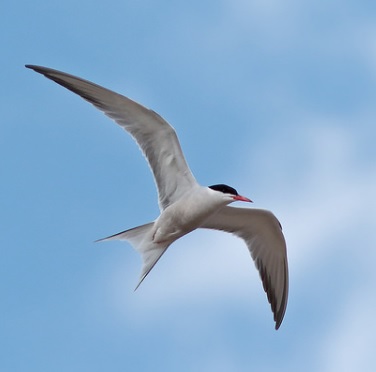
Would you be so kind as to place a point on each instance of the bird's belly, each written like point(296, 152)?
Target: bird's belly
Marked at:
point(174, 222)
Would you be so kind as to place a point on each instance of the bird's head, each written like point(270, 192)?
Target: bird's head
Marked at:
point(229, 193)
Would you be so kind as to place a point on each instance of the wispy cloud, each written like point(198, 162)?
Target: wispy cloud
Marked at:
point(349, 343)
point(327, 207)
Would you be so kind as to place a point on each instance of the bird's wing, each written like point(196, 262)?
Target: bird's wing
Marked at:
point(156, 138)
point(263, 235)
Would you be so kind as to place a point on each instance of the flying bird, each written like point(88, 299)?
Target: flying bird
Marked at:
point(184, 204)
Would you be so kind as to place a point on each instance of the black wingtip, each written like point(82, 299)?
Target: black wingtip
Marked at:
point(43, 70)
point(40, 69)
point(277, 324)
point(32, 67)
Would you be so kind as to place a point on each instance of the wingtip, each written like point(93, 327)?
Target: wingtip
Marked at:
point(278, 324)
point(41, 69)
point(32, 67)
point(139, 283)
point(279, 316)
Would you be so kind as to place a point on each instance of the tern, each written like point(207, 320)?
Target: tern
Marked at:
point(184, 204)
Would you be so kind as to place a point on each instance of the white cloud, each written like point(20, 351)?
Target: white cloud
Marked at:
point(330, 218)
point(349, 345)
point(331, 201)
point(310, 173)
point(204, 268)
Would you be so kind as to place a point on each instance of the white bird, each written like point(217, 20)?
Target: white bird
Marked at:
point(184, 204)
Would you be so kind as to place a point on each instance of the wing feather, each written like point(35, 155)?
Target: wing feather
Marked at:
point(263, 235)
point(156, 138)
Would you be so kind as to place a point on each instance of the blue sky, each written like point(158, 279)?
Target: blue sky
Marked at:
point(276, 99)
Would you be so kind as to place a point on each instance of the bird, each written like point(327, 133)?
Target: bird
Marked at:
point(184, 204)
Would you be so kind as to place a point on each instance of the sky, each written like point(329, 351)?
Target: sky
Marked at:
point(276, 99)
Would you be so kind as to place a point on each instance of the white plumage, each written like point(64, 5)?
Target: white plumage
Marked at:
point(184, 204)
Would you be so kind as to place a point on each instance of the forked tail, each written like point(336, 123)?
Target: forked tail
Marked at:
point(141, 240)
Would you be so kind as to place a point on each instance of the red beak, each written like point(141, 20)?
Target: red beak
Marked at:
point(242, 198)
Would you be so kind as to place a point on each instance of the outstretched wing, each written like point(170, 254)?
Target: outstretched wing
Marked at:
point(263, 235)
point(156, 138)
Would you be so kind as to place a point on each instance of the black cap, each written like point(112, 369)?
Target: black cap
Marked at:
point(224, 188)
